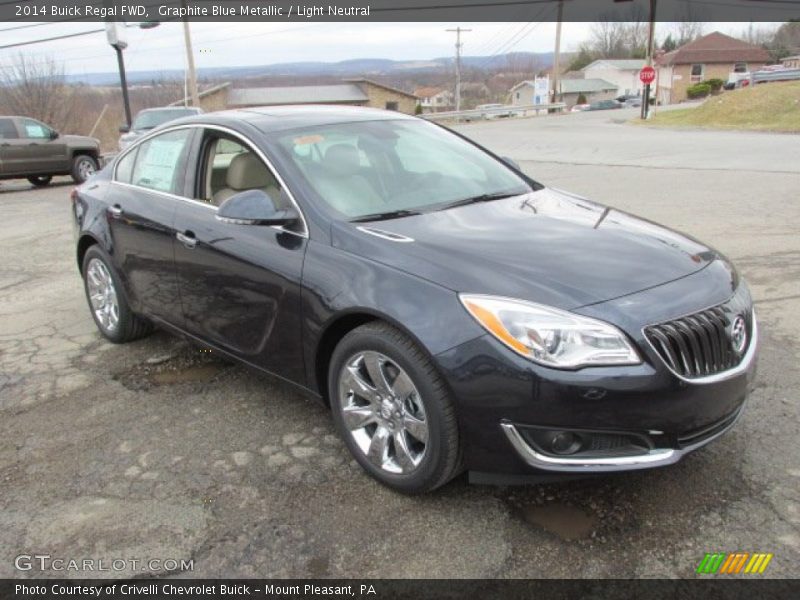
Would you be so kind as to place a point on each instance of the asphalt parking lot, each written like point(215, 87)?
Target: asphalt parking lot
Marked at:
point(158, 449)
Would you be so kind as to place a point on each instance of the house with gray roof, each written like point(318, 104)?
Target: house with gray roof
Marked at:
point(623, 73)
point(352, 92)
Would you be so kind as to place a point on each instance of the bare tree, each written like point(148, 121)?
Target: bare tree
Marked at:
point(36, 88)
point(688, 31)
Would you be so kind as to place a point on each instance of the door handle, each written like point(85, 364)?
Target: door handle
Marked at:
point(187, 239)
point(115, 211)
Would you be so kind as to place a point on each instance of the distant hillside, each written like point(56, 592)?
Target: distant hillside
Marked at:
point(359, 66)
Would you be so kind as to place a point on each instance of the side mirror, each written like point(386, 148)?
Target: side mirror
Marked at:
point(54, 134)
point(124, 128)
point(511, 162)
point(254, 207)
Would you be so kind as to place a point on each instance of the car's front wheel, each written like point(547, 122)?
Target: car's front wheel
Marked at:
point(83, 167)
point(109, 307)
point(393, 409)
point(40, 180)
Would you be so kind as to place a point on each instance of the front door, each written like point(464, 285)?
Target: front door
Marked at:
point(148, 184)
point(239, 284)
point(44, 154)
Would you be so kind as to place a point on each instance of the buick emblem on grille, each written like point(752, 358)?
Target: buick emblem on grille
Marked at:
point(738, 334)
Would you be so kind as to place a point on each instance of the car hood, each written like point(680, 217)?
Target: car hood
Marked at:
point(546, 246)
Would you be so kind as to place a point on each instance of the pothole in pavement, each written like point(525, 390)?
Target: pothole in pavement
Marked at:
point(567, 522)
point(184, 365)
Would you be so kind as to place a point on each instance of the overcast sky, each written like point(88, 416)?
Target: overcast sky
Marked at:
point(238, 44)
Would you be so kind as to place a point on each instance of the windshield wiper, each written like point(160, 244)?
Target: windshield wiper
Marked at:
point(385, 216)
point(480, 198)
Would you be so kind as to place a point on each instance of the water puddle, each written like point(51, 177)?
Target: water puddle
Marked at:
point(566, 522)
point(188, 365)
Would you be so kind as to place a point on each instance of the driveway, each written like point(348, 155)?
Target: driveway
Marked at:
point(160, 450)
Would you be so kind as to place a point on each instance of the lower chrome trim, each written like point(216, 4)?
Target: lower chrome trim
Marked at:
point(654, 458)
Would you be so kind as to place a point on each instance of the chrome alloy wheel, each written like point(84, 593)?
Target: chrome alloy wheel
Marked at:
point(383, 412)
point(102, 294)
point(86, 169)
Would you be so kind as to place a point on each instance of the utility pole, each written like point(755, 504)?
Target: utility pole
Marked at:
point(557, 53)
point(650, 43)
point(187, 37)
point(458, 31)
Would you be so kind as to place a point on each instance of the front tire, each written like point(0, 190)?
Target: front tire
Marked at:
point(107, 302)
point(40, 180)
point(393, 409)
point(83, 167)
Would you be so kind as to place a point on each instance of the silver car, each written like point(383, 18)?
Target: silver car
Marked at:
point(150, 118)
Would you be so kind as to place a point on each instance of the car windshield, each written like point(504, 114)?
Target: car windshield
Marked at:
point(154, 118)
point(395, 166)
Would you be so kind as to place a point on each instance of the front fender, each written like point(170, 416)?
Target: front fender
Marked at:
point(337, 283)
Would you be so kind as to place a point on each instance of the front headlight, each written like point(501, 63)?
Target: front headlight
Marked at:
point(552, 337)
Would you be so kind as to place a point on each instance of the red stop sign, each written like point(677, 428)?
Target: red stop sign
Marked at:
point(647, 75)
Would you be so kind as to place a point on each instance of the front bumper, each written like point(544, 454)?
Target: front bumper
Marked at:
point(501, 396)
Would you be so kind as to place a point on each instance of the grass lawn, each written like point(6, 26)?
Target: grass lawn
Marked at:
point(766, 107)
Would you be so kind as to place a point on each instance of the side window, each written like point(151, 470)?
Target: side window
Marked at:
point(35, 130)
point(158, 162)
point(125, 167)
point(232, 167)
point(392, 106)
point(7, 130)
point(740, 67)
point(697, 73)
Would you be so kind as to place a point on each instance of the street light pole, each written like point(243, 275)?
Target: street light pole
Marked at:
point(115, 32)
point(124, 84)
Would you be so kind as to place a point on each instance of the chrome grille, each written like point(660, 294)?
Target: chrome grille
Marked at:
point(698, 345)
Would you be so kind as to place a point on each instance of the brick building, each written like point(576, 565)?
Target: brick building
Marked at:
point(713, 56)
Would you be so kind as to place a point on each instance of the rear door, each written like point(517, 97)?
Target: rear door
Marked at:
point(148, 183)
point(240, 284)
point(12, 148)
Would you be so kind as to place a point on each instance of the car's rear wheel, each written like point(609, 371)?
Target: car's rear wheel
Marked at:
point(40, 180)
point(108, 305)
point(393, 409)
point(83, 167)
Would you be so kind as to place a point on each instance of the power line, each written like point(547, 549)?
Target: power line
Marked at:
point(50, 39)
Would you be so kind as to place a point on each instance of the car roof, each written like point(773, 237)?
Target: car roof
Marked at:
point(282, 118)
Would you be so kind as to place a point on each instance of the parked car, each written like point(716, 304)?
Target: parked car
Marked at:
point(634, 102)
point(150, 118)
point(30, 149)
point(579, 108)
point(604, 105)
point(452, 312)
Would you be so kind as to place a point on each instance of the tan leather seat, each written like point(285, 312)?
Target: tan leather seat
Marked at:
point(247, 172)
point(342, 185)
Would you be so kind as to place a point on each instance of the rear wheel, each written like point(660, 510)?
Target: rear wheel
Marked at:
point(83, 167)
point(107, 302)
point(393, 410)
point(40, 180)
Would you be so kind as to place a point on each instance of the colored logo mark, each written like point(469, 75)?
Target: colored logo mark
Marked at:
point(725, 563)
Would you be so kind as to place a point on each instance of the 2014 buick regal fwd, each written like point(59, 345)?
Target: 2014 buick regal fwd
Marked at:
point(455, 314)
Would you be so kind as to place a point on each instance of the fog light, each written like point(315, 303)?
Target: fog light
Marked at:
point(565, 442)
